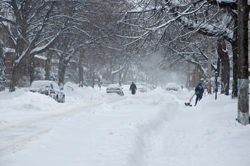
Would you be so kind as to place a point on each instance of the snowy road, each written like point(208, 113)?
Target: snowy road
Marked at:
point(148, 129)
point(14, 137)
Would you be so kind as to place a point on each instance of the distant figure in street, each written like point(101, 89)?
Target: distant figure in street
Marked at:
point(133, 88)
point(199, 92)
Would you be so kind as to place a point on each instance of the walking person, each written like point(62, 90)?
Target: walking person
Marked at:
point(133, 88)
point(199, 92)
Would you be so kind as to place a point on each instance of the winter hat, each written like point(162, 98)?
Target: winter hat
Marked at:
point(199, 83)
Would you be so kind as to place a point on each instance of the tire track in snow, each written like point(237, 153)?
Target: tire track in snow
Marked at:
point(15, 137)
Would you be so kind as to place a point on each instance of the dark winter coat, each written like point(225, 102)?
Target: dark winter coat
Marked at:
point(199, 90)
point(133, 88)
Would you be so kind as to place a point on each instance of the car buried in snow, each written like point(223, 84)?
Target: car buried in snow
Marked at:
point(48, 88)
point(172, 87)
point(115, 88)
point(141, 88)
point(151, 86)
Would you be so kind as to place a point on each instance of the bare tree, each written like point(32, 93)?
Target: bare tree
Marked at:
point(195, 16)
point(26, 31)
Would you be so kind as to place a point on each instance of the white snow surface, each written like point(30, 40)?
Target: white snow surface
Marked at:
point(93, 128)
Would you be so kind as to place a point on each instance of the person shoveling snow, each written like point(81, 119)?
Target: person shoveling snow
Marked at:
point(198, 92)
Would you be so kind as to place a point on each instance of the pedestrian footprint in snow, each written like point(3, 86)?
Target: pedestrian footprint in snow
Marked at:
point(199, 92)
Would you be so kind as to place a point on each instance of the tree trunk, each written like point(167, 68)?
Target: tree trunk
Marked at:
point(48, 65)
point(93, 79)
point(235, 55)
point(120, 77)
point(2, 61)
point(243, 98)
point(99, 82)
point(61, 72)
point(225, 73)
point(32, 69)
point(111, 75)
point(235, 70)
point(80, 69)
point(225, 76)
point(124, 78)
point(209, 67)
point(15, 77)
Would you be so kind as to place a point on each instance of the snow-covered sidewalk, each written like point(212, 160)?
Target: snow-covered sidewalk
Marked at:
point(97, 129)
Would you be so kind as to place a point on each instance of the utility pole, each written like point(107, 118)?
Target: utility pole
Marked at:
point(243, 98)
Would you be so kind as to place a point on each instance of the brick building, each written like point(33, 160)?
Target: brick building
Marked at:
point(39, 62)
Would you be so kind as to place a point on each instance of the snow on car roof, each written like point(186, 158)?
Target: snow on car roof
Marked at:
point(43, 83)
point(172, 85)
point(113, 85)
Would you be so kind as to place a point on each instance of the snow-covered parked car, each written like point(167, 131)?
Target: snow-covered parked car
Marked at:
point(115, 88)
point(172, 87)
point(141, 88)
point(151, 86)
point(49, 88)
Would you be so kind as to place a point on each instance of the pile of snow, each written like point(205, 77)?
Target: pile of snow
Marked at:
point(24, 105)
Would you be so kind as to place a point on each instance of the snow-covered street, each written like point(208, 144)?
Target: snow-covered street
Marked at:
point(110, 83)
point(97, 129)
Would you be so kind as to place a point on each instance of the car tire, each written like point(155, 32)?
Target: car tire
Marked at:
point(57, 99)
point(63, 100)
point(121, 93)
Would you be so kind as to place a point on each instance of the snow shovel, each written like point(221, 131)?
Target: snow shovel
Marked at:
point(189, 103)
